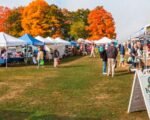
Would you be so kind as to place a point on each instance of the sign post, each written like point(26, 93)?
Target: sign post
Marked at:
point(140, 94)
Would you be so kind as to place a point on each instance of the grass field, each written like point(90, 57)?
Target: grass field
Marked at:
point(74, 91)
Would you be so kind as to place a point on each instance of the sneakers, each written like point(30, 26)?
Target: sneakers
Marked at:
point(104, 73)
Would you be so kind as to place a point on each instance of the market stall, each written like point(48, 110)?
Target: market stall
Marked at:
point(7, 41)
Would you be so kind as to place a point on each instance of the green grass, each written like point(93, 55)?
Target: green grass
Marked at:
point(75, 91)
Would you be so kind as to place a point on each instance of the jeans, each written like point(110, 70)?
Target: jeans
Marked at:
point(104, 66)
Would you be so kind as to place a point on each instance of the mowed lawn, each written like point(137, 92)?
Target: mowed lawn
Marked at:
point(75, 91)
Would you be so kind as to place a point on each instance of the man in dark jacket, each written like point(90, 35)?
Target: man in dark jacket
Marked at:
point(111, 55)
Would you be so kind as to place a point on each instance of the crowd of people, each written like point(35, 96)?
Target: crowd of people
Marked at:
point(130, 53)
point(131, 56)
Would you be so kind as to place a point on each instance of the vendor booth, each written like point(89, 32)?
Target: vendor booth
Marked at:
point(6, 42)
point(31, 40)
point(31, 49)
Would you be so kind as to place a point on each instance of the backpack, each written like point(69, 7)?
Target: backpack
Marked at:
point(101, 49)
point(112, 52)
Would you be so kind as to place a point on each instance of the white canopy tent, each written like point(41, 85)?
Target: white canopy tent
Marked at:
point(104, 40)
point(10, 41)
point(61, 41)
point(57, 43)
point(51, 40)
point(44, 40)
point(88, 42)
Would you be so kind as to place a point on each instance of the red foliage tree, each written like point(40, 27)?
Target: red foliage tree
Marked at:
point(4, 13)
point(101, 24)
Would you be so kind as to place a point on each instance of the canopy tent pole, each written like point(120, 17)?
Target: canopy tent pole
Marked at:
point(38, 60)
point(26, 54)
point(38, 64)
point(6, 57)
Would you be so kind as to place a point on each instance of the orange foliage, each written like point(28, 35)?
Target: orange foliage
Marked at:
point(4, 13)
point(34, 20)
point(101, 24)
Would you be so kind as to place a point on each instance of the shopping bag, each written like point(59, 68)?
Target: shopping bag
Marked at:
point(41, 62)
point(58, 61)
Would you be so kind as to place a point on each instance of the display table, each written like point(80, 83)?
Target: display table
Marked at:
point(11, 60)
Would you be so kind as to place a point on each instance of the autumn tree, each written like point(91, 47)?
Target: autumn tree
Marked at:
point(34, 18)
point(81, 15)
point(55, 21)
point(79, 23)
point(101, 24)
point(66, 22)
point(4, 13)
point(71, 19)
point(14, 22)
point(77, 30)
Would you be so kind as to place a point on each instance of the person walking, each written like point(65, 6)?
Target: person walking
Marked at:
point(103, 55)
point(92, 50)
point(134, 54)
point(40, 57)
point(111, 55)
point(122, 54)
point(56, 58)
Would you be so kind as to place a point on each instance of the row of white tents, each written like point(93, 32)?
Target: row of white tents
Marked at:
point(10, 41)
point(103, 40)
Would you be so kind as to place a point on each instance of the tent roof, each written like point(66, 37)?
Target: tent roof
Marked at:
point(104, 40)
point(88, 41)
point(73, 43)
point(50, 39)
point(10, 41)
point(31, 40)
point(44, 40)
point(61, 41)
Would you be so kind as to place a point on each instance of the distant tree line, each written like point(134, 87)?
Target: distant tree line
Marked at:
point(40, 18)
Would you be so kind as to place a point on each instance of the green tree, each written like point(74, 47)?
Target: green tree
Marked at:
point(77, 30)
point(71, 19)
point(55, 22)
point(14, 22)
point(81, 14)
point(66, 22)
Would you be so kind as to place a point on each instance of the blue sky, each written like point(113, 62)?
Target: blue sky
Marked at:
point(129, 15)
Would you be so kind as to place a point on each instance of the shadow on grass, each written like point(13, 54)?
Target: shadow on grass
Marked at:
point(122, 73)
point(70, 59)
point(16, 115)
point(13, 115)
point(73, 66)
point(65, 60)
